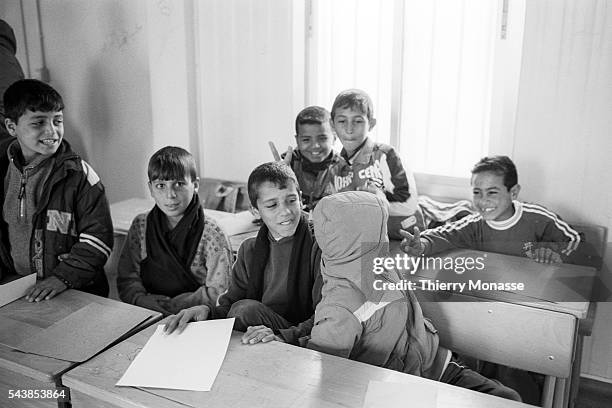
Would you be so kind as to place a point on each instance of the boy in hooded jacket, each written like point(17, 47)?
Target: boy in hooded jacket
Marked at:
point(385, 328)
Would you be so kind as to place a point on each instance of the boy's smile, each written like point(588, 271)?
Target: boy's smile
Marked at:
point(173, 197)
point(38, 133)
point(491, 197)
point(280, 209)
point(352, 127)
point(315, 141)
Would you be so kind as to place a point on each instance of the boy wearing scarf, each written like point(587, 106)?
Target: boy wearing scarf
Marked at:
point(174, 258)
point(275, 283)
point(381, 327)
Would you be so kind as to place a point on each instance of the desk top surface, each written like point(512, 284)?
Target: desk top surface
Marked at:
point(25, 318)
point(263, 375)
point(558, 287)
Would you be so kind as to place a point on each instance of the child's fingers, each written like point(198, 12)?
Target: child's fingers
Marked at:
point(288, 155)
point(274, 151)
point(417, 233)
point(406, 234)
point(172, 323)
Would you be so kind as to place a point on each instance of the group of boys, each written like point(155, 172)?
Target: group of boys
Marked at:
point(296, 281)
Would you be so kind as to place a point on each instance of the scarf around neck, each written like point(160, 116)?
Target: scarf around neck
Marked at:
point(166, 269)
point(299, 280)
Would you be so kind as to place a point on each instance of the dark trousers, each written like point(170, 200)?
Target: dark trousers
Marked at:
point(458, 374)
point(249, 312)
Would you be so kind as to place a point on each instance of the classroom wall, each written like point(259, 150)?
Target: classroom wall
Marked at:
point(252, 83)
point(562, 135)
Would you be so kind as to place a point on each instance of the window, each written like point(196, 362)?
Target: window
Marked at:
point(443, 74)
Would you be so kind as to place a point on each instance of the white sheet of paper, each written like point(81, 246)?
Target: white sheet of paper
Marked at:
point(16, 289)
point(187, 361)
point(382, 394)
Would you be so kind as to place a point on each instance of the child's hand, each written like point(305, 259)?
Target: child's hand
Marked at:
point(288, 156)
point(177, 303)
point(45, 289)
point(179, 321)
point(277, 157)
point(412, 244)
point(256, 334)
point(545, 255)
point(151, 301)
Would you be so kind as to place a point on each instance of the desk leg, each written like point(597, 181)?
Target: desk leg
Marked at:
point(574, 384)
point(548, 392)
point(559, 400)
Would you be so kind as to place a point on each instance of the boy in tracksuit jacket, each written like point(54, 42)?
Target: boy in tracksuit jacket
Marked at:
point(56, 219)
point(371, 166)
point(357, 319)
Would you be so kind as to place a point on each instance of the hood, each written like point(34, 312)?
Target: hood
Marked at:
point(351, 230)
point(7, 36)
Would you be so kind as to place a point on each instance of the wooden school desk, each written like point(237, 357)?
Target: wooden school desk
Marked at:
point(237, 226)
point(535, 329)
point(264, 375)
point(25, 371)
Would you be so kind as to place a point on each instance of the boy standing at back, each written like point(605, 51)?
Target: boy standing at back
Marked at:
point(369, 165)
point(276, 283)
point(314, 159)
point(503, 224)
point(56, 220)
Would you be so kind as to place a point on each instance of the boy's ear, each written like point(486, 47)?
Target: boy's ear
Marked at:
point(196, 184)
point(372, 124)
point(150, 188)
point(10, 126)
point(254, 211)
point(514, 191)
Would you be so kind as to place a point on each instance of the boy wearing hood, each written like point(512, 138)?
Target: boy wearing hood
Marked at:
point(385, 328)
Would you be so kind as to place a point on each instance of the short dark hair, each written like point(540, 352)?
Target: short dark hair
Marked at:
point(312, 115)
point(354, 99)
point(277, 173)
point(172, 163)
point(33, 95)
point(500, 165)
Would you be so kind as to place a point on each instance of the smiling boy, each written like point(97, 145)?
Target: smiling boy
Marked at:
point(56, 220)
point(313, 160)
point(503, 224)
point(276, 283)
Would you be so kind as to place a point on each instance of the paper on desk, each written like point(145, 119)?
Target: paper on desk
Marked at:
point(16, 289)
point(187, 361)
point(84, 333)
point(382, 394)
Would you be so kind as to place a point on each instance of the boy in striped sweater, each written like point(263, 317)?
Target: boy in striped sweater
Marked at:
point(503, 224)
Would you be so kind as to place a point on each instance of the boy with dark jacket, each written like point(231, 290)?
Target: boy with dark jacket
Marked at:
point(56, 220)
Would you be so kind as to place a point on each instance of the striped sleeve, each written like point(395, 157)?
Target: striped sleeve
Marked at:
point(556, 230)
point(458, 234)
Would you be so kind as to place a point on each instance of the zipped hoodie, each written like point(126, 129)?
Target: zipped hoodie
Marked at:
point(354, 320)
point(72, 234)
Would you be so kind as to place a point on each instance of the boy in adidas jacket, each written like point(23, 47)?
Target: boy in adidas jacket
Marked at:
point(503, 224)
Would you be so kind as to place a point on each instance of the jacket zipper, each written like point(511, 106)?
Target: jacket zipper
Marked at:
point(21, 196)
